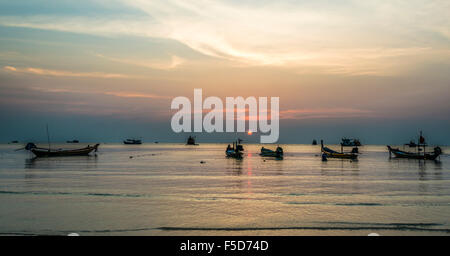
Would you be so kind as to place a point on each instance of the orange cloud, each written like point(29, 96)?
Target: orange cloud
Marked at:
point(136, 95)
point(323, 113)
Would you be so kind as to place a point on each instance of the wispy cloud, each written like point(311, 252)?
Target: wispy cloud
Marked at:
point(136, 95)
point(174, 62)
point(62, 73)
point(324, 113)
point(352, 37)
point(119, 94)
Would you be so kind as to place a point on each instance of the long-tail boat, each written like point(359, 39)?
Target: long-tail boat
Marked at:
point(191, 141)
point(47, 152)
point(278, 152)
point(329, 153)
point(420, 151)
point(350, 142)
point(132, 142)
point(235, 151)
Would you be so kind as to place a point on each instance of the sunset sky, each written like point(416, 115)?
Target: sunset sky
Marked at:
point(107, 70)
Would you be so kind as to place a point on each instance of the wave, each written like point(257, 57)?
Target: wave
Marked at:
point(349, 226)
point(70, 193)
point(375, 227)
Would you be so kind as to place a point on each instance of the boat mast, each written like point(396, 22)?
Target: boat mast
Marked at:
point(48, 139)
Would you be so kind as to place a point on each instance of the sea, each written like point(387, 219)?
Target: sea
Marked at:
point(175, 189)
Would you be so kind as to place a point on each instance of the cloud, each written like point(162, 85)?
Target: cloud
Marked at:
point(116, 94)
point(136, 95)
point(324, 113)
point(174, 62)
point(61, 73)
point(350, 38)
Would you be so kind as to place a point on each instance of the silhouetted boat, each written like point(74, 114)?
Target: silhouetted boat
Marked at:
point(418, 155)
point(350, 142)
point(132, 142)
point(278, 152)
point(239, 146)
point(72, 141)
point(191, 141)
point(329, 153)
point(14, 142)
point(47, 152)
point(314, 142)
point(234, 151)
point(420, 151)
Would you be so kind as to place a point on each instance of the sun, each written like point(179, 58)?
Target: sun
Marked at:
point(249, 132)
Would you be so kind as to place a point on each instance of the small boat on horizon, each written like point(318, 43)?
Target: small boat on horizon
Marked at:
point(329, 153)
point(72, 141)
point(278, 152)
point(420, 151)
point(235, 151)
point(314, 142)
point(350, 142)
point(132, 142)
point(191, 141)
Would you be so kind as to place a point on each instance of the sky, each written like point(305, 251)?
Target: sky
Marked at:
point(107, 70)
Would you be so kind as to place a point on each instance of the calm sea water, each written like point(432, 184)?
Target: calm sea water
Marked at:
point(165, 190)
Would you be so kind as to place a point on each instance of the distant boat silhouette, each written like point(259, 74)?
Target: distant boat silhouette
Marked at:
point(350, 142)
point(314, 142)
point(235, 151)
point(132, 142)
point(191, 141)
point(72, 141)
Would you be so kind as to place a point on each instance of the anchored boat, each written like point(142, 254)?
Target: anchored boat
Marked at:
point(420, 152)
point(235, 151)
point(132, 142)
point(329, 153)
point(278, 152)
point(191, 141)
point(47, 152)
point(350, 142)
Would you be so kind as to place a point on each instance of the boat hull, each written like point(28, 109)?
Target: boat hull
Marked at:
point(271, 153)
point(409, 155)
point(41, 152)
point(233, 154)
point(340, 155)
point(132, 142)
